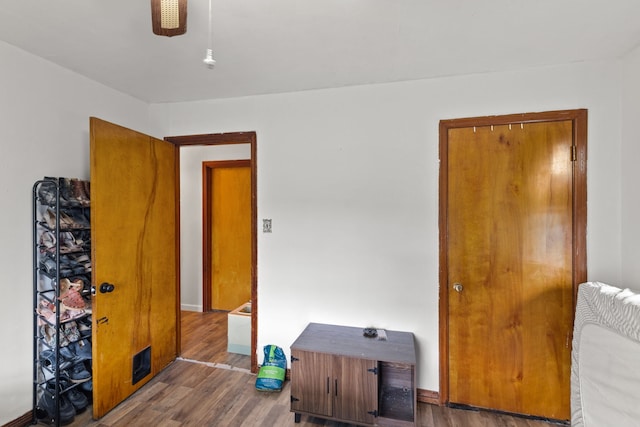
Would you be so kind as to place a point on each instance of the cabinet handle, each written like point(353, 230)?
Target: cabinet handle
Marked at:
point(336, 384)
point(327, 385)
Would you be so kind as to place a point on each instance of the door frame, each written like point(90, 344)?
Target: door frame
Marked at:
point(226, 139)
point(579, 205)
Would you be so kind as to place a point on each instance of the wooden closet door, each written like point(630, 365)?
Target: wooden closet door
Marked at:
point(510, 266)
point(134, 248)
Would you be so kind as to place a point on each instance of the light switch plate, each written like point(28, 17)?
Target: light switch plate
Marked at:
point(266, 225)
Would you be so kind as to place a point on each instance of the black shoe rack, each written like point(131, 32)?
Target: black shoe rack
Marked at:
point(62, 385)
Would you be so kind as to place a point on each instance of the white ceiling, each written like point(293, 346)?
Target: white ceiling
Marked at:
point(271, 46)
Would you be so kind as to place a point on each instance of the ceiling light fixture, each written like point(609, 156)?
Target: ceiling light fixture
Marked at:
point(208, 59)
point(169, 17)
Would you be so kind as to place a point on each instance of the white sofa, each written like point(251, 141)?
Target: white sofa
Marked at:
point(605, 359)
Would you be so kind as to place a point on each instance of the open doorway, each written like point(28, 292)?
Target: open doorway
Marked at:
point(203, 332)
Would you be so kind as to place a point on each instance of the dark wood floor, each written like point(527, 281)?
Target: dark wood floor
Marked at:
point(197, 394)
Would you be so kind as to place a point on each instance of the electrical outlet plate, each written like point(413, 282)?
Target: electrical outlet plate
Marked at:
point(266, 225)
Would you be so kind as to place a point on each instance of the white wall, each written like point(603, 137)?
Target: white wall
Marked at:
point(191, 158)
point(350, 178)
point(630, 171)
point(44, 130)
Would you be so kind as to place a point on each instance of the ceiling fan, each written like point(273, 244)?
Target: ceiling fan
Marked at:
point(169, 17)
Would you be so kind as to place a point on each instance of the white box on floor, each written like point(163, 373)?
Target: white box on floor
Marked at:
point(239, 330)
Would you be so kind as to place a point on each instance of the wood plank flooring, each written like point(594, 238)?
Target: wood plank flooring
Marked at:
point(196, 394)
point(204, 338)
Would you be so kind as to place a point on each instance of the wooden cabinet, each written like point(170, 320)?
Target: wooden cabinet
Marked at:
point(338, 374)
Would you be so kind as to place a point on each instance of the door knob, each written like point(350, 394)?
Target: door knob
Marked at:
point(457, 287)
point(106, 287)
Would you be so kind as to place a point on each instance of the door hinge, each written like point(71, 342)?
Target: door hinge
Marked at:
point(574, 154)
point(294, 359)
point(374, 370)
point(294, 399)
point(374, 413)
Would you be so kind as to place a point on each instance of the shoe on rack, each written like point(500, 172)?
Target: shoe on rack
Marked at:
point(49, 218)
point(77, 399)
point(48, 265)
point(48, 403)
point(83, 258)
point(47, 193)
point(77, 187)
point(47, 241)
point(66, 191)
point(78, 373)
point(81, 349)
point(87, 189)
point(81, 220)
point(47, 311)
point(84, 326)
point(87, 386)
point(70, 296)
point(67, 359)
point(67, 222)
point(68, 333)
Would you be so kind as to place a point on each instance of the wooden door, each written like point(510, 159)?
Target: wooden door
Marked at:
point(228, 194)
point(133, 233)
point(511, 264)
point(355, 383)
point(311, 377)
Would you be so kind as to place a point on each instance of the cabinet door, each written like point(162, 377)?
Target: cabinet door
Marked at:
point(355, 389)
point(311, 383)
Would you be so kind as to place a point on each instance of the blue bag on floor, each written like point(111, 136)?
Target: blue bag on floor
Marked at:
point(272, 372)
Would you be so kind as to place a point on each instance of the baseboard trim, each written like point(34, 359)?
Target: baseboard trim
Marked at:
point(23, 421)
point(428, 396)
point(191, 307)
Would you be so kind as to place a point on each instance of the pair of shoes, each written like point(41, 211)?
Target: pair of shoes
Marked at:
point(73, 220)
point(78, 373)
point(70, 298)
point(69, 243)
point(67, 359)
point(68, 333)
point(70, 294)
point(79, 351)
point(50, 400)
point(75, 192)
point(66, 220)
point(47, 311)
point(78, 399)
point(79, 263)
